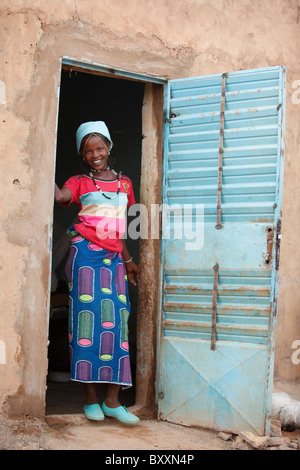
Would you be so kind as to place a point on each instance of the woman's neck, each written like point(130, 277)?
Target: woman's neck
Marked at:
point(106, 174)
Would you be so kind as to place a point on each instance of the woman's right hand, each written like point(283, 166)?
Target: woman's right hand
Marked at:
point(62, 195)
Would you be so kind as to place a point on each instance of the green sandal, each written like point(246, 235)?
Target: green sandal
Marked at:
point(94, 412)
point(120, 413)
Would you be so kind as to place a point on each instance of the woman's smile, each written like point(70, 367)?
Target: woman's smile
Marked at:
point(97, 162)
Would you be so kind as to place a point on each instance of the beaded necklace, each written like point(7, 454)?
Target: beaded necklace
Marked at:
point(100, 190)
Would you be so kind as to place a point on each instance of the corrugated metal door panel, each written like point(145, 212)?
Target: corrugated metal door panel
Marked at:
point(229, 387)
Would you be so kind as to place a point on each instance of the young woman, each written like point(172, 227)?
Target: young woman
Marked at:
point(97, 270)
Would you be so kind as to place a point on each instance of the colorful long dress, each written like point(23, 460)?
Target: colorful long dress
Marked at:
point(99, 305)
point(99, 309)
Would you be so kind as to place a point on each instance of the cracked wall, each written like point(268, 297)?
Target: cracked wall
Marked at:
point(170, 39)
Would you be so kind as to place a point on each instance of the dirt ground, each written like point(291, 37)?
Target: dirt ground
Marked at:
point(75, 432)
point(79, 434)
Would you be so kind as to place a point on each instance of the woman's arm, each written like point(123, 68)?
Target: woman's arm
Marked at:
point(62, 195)
point(133, 271)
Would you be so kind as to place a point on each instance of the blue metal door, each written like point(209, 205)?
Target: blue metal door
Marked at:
point(223, 151)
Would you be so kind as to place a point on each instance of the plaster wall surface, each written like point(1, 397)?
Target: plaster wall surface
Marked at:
point(170, 39)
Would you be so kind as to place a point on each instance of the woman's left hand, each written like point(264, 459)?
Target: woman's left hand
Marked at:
point(133, 272)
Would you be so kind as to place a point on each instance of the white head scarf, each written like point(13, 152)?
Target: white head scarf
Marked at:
point(98, 127)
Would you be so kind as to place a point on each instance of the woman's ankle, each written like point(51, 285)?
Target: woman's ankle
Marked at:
point(90, 402)
point(112, 396)
point(112, 403)
point(90, 394)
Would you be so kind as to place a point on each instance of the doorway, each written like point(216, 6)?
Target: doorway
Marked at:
point(86, 96)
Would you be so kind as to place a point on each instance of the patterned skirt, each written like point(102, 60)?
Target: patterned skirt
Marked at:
point(98, 314)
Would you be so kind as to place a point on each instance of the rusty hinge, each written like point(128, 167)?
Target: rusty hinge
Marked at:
point(278, 240)
point(221, 150)
point(214, 308)
point(172, 115)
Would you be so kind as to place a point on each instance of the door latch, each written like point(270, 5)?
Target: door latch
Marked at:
point(270, 240)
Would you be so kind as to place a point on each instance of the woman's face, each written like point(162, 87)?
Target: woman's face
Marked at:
point(95, 153)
